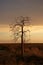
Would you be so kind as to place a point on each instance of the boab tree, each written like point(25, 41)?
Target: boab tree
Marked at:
point(18, 30)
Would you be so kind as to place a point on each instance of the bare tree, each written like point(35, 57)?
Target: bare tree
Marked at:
point(18, 30)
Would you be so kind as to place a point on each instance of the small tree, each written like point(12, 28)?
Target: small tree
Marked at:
point(19, 31)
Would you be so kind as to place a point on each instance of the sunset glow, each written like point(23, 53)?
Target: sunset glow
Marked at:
point(12, 9)
point(36, 34)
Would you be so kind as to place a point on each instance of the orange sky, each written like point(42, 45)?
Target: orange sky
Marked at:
point(36, 34)
point(10, 9)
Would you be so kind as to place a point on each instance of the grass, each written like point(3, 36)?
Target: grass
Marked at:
point(10, 54)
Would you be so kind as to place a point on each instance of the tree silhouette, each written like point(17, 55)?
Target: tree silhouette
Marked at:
point(19, 31)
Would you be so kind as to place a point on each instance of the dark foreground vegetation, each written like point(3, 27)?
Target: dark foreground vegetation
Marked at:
point(10, 54)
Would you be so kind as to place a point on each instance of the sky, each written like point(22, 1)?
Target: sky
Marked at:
point(10, 9)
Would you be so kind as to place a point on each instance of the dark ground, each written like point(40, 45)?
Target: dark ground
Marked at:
point(10, 54)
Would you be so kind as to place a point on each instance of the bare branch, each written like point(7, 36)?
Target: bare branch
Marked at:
point(19, 21)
